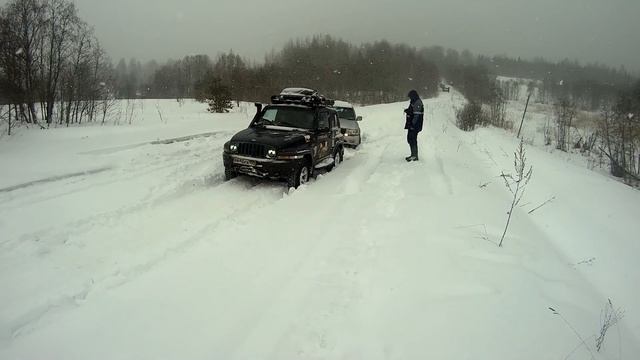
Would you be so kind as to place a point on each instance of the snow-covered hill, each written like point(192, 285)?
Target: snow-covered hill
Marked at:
point(115, 245)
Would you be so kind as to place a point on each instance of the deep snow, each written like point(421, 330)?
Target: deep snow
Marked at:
point(115, 245)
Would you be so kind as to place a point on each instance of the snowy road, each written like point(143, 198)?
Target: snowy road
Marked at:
point(155, 257)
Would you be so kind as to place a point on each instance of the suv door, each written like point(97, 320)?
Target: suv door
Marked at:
point(336, 134)
point(324, 134)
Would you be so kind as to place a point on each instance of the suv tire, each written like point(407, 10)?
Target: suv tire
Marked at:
point(300, 176)
point(338, 157)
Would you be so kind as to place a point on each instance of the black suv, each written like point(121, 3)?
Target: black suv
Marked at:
point(289, 139)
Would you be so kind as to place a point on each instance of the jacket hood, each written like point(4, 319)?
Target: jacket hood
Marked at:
point(413, 95)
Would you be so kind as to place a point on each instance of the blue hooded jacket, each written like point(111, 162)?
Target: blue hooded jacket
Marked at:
point(415, 112)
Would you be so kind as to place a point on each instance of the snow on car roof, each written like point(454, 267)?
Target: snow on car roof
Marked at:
point(298, 91)
point(343, 104)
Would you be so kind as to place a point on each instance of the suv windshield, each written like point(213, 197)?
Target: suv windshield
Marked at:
point(287, 117)
point(346, 113)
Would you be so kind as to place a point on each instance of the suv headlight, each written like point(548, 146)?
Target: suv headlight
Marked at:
point(233, 148)
point(271, 153)
point(353, 132)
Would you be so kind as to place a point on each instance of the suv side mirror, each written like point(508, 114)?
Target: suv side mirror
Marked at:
point(359, 118)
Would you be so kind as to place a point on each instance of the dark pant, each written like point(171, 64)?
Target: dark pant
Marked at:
point(412, 139)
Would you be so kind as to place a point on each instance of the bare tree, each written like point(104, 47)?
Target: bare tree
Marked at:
point(24, 28)
point(5, 118)
point(620, 135)
point(547, 132)
point(565, 112)
point(107, 103)
point(498, 106)
point(61, 22)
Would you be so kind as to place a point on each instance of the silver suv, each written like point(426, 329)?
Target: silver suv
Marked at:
point(349, 122)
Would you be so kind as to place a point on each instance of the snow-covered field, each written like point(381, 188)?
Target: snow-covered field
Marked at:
point(117, 244)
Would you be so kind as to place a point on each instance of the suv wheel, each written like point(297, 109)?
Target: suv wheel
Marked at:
point(338, 157)
point(299, 177)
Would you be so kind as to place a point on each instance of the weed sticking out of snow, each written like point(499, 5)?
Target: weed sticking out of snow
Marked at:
point(609, 318)
point(516, 183)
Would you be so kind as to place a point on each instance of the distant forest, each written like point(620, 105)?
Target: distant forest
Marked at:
point(370, 73)
point(54, 70)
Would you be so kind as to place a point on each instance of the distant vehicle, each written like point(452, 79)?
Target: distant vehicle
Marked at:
point(297, 134)
point(445, 88)
point(349, 123)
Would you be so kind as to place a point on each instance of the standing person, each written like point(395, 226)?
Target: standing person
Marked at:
point(415, 117)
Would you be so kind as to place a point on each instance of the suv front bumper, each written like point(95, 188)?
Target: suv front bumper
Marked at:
point(353, 140)
point(262, 168)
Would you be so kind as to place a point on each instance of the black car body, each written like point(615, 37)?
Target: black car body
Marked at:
point(289, 139)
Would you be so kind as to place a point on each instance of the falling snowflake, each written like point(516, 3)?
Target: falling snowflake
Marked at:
point(19, 51)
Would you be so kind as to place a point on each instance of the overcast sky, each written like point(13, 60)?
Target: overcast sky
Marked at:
point(605, 31)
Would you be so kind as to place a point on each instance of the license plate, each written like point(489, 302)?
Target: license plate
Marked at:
point(244, 162)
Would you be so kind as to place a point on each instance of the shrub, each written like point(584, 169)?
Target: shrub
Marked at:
point(471, 116)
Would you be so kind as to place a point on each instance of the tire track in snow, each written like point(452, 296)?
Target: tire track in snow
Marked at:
point(155, 195)
point(54, 178)
point(29, 321)
point(331, 280)
point(131, 173)
point(75, 233)
point(325, 285)
point(391, 187)
point(364, 165)
point(446, 180)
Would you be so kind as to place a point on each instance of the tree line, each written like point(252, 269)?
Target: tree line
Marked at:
point(369, 73)
point(589, 85)
point(381, 72)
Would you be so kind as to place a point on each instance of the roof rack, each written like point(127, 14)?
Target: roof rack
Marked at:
point(298, 91)
point(301, 96)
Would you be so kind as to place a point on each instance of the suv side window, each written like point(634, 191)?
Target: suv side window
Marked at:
point(323, 120)
point(270, 115)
